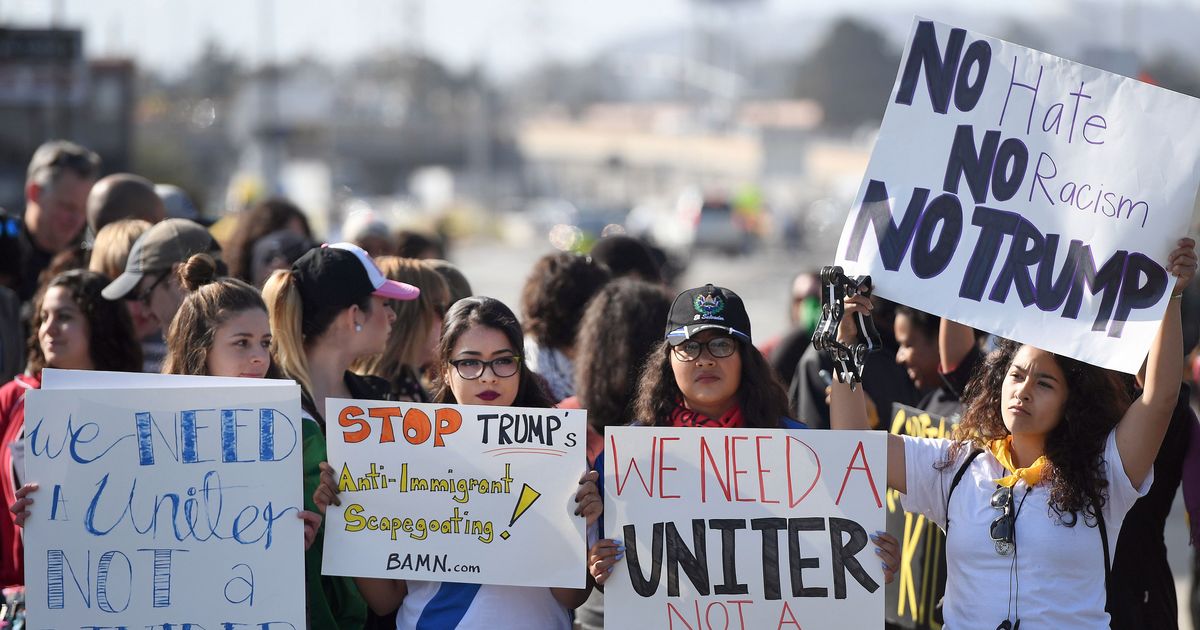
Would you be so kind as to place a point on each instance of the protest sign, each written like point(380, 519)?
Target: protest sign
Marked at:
point(164, 507)
point(921, 580)
point(744, 528)
point(1026, 195)
point(456, 493)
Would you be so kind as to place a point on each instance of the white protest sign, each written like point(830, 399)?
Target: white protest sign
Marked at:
point(744, 528)
point(1026, 195)
point(161, 508)
point(456, 493)
point(100, 379)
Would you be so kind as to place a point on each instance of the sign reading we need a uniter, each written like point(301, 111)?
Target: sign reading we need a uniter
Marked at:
point(744, 528)
point(1026, 195)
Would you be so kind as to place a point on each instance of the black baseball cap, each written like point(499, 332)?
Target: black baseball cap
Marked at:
point(341, 274)
point(708, 307)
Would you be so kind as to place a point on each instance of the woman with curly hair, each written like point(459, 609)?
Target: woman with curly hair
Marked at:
point(73, 328)
point(552, 302)
point(618, 331)
point(1048, 447)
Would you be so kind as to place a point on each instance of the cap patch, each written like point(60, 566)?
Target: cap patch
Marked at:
point(708, 306)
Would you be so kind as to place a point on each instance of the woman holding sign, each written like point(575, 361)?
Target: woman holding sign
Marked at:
point(1048, 447)
point(480, 363)
point(707, 373)
point(73, 328)
point(328, 310)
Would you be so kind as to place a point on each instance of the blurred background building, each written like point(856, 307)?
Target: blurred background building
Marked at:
point(514, 118)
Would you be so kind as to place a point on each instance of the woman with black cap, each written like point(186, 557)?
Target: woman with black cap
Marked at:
point(707, 373)
point(330, 308)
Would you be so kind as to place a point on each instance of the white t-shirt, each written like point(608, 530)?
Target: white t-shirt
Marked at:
point(449, 606)
point(1059, 577)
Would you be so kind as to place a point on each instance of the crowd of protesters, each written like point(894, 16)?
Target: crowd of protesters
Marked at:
point(115, 273)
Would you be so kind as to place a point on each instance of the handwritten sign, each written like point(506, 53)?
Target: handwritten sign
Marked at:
point(165, 508)
point(918, 587)
point(1026, 195)
point(456, 493)
point(741, 528)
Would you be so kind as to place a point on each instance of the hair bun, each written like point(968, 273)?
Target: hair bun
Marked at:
point(197, 271)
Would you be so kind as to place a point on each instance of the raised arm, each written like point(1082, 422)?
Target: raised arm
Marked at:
point(848, 409)
point(1141, 430)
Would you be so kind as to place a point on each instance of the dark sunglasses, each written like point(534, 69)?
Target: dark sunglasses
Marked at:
point(718, 347)
point(1004, 528)
point(143, 296)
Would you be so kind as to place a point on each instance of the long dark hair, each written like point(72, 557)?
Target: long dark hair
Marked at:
point(485, 311)
point(112, 345)
point(761, 396)
point(619, 329)
point(1096, 400)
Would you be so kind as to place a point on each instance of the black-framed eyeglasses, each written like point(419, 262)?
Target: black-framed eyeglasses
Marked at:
point(718, 347)
point(143, 296)
point(471, 369)
point(1004, 527)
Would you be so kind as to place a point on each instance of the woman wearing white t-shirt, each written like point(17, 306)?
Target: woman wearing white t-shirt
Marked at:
point(1049, 457)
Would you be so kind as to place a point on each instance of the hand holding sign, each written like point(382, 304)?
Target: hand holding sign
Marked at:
point(1182, 264)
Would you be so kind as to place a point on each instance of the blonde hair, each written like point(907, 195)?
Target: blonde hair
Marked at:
point(110, 251)
point(286, 314)
point(212, 300)
point(414, 318)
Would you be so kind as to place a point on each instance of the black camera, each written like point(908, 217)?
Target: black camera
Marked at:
point(849, 361)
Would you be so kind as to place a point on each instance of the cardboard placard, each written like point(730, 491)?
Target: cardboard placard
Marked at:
point(1026, 195)
point(456, 493)
point(744, 528)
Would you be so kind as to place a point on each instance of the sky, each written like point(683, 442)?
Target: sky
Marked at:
point(503, 36)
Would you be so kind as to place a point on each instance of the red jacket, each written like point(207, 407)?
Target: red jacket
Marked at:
point(12, 421)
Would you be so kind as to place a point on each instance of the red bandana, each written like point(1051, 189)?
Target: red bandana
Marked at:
point(684, 417)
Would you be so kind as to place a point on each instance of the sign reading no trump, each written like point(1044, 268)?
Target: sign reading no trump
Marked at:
point(1026, 195)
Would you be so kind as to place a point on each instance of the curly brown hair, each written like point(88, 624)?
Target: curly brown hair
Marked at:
point(619, 329)
point(555, 294)
point(761, 396)
point(111, 342)
point(1096, 400)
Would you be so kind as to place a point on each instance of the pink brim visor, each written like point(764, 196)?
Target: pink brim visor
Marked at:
point(393, 290)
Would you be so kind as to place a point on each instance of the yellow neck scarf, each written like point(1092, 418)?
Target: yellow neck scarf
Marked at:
point(1031, 475)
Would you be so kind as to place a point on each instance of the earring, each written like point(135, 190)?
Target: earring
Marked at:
point(358, 328)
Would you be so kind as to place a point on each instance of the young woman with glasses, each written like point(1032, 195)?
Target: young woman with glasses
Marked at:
point(708, 373)
point(1049, 456)
point(480, 363)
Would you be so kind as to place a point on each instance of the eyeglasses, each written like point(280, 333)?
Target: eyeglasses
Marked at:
point(143, 296)
point(718, 347)
point(471, 369)
point(1004, 528)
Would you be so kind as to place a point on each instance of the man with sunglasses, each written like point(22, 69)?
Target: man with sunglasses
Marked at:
point(151, 271)
point(57, 184)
